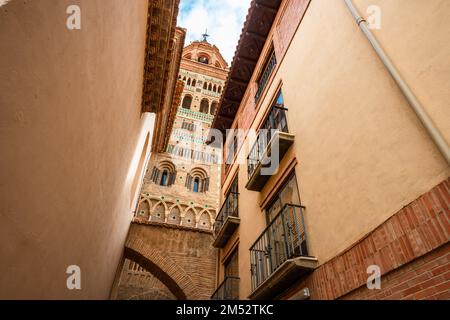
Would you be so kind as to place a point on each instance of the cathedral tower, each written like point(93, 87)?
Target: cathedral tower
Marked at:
point(182, 183)
point(180, 193)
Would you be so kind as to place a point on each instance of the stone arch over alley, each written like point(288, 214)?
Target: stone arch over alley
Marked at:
point(167, 262)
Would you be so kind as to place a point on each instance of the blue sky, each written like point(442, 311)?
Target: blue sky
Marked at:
point(223, 19)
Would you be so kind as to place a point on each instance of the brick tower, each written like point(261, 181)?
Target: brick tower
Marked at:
point(180, 194)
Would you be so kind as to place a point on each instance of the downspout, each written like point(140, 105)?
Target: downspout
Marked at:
point(434, 133)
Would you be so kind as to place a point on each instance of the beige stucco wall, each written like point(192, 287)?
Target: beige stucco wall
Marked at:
point(71, 138)
point(362, 153)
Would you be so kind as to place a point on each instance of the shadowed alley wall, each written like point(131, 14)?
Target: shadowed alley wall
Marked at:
point(71, 138)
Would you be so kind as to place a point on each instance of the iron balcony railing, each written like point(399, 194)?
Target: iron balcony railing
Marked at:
point(275, 121)
point(283, 239)
point(228, 289)
point(271, 64)
point(229, 208)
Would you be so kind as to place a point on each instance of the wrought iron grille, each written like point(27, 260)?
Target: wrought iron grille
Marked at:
point(275, 121)
point(229, 208)
point(228, 289)
point(283, 239)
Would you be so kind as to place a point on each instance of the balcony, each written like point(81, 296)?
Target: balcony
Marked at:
point(280, 255)
point(228, 289)
point(271, 145)
point(227, 220)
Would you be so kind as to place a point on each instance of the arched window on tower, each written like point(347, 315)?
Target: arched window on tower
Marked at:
point(205, 85)
point(203, 59)
point(204, 106)
point(197, 180)
point(187, 101)
point(189, 82)
point(214, 106)
point(210, 87)
point(220, 89)
point(164, 174)
point(194, 82)
point(215, 88)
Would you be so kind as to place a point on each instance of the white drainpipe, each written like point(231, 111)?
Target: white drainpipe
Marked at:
point(434, 133)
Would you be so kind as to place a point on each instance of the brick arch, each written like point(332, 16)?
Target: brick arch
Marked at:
point(154, 199)
point(150, 296)
point(156, 204)
point(141, 207)
point(193, 209)
point(162, 267)
point(169, 205)
point(171, 213)
point(210, 216)
point(175, 205)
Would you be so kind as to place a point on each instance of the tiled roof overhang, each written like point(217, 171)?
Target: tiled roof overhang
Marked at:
point(161, 25)
point(260, 18)
point(166, 113)
point(173, 114)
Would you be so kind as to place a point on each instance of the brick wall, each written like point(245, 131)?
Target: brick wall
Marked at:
point(140, 284)
point(181, 258)
point(291, 15)
point(427, 277)
point(416, 236)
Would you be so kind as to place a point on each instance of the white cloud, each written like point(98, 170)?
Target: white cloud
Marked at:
point(223, 18)
point(2, 2)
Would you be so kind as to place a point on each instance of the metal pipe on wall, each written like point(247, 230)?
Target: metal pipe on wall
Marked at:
point(430, 127)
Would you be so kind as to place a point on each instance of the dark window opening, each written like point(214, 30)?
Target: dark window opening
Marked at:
point(269, 66)
point(203, 59)
point(204, 106)
point(187, 102)
point(164, 178)
point(196, 184)
point(214, 106)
